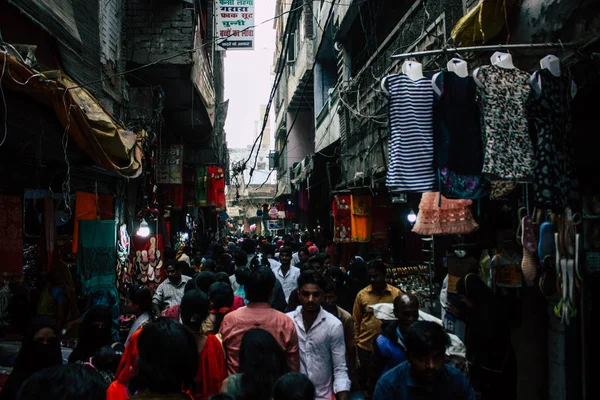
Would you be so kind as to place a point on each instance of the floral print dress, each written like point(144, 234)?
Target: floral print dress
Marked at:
point(508, 149)
point(550, 120)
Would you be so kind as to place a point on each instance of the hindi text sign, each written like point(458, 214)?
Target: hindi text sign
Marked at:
point(235, 24)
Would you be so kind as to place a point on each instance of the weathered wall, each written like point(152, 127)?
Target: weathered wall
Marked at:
point(301, 137)
point(159, 29)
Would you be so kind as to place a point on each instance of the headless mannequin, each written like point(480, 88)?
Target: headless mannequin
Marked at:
point(412, 69)
point(552, 64)
point(502, 60)
point(456, 65)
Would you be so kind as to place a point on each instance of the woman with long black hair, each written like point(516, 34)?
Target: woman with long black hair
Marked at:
point(262, 362)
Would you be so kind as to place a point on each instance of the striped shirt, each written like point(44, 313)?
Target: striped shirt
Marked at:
point(411, 134)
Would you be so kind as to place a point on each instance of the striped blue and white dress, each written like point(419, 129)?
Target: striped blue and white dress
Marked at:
point(410, 134)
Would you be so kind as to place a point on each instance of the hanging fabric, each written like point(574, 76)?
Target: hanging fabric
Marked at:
point(342, 225)
point(125, 271)
point(554, 185)
point(97, 255)
point(147, 256)
point(201, 186)
point(90, 206)
point(451, 217)
point(508, 150)
point(410, 111)
point(11, 235)
point(361, 211)
point(49, 233)
point(215, 186)
point(382, 216)
point(173, 195)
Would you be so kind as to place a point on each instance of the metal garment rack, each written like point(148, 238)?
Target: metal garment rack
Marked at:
point(494, 47)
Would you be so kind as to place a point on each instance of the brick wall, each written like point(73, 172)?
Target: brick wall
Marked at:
point(158, 29)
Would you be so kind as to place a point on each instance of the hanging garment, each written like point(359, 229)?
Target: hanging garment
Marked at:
point(457, 125)
point(508, 150)
point(87, 207)
point(11, 235)
point(383, 214)
point(452, 217)
point(97, 255)
point(201, 189)
point(342, 225)
point(147, 256)
point(49, 233)
point(455, 186)
point(550, 120)
point(173, 195)
point(216, 186)
point(361, 209)
point(411, 134)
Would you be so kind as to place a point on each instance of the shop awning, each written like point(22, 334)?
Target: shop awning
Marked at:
point(93, 128)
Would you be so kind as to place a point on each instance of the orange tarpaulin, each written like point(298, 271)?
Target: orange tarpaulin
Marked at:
point(88, 123)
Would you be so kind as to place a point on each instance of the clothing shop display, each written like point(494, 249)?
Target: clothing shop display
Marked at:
point(457, 125)
point(455, 186)
point(11, 234)
point(360, 217)
point(451, 217)
point(550, 120)
point(173, 195)
point(97, 255)
point(410, 134)
point(508, 151)
point(342, 224)
point(90, 206)
point(215, 186)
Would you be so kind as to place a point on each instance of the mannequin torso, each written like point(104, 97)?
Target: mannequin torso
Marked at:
point(502, 60)
point(552, 64)
point(456, 65)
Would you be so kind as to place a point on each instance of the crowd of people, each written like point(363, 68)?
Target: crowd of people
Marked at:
point(250, 319)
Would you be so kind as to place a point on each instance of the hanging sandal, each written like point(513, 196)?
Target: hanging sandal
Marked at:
point(529, 242)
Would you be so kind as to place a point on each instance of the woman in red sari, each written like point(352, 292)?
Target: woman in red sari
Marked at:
point(211, 367)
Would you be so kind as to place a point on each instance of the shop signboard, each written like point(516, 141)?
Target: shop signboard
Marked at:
point(234, 24)
point(169, 165)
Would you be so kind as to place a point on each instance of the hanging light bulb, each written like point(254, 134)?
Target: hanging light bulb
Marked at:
point(411, 217)
point(144, 229)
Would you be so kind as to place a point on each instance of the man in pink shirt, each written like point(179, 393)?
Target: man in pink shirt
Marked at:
point(259, 314)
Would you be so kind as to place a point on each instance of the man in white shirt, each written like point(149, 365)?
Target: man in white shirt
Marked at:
point(285, 273)
point(321, 340)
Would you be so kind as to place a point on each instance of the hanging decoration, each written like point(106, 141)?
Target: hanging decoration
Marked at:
point(124, 266)
point(201, 186)
point(341, 219)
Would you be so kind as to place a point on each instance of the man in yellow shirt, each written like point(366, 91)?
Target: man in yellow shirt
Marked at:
point(366, 326)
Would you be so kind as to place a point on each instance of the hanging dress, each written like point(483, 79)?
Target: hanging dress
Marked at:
point(411, 134)
point(445, 217)
point(508, 151)
point(458, 138)
point(550, 119)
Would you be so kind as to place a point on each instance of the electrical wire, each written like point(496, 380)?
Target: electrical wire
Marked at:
point(5, 135)
point(307, 80)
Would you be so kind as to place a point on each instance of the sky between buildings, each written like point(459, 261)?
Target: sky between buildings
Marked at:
point(248, 79)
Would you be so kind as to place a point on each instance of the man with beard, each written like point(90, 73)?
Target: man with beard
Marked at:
point(170, 292)
point(424, 375)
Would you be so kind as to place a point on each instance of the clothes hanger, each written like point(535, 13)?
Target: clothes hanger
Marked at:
point(413, 70)
point(456, 65)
